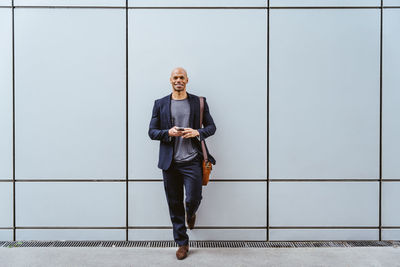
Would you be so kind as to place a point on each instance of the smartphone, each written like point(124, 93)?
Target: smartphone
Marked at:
point(180, 128)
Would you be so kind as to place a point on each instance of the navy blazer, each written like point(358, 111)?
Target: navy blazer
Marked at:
point(161, 122)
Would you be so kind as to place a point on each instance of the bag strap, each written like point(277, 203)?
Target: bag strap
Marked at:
point(203, 145)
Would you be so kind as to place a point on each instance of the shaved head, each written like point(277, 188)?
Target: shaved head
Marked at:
point(178, 70)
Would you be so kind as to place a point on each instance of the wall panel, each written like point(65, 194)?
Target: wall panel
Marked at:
point(70, 234)
point(325, 3)
point(223, 204)
point(6, 119)
point(6, 204)
point(390, 204)
point(120, 3)
point(324, 94)
point(224, 53)
point(323, 234)
point(200, 234)
point(100, 204)
point(70, 93)
point(391, 95)
point(324, 204)
point(197, 3)
point(6, 235)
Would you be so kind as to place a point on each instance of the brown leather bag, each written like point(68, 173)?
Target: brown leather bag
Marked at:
point(207, 166)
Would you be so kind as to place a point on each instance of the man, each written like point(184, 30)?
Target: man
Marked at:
point(175, 123)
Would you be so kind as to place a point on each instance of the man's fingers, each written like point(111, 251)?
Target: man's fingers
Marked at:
point(187, 135)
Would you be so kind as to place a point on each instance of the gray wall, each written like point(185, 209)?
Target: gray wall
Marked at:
point(298, 141)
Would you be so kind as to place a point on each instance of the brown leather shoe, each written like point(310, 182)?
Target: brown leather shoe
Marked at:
point(182, 252)
point(191, 222)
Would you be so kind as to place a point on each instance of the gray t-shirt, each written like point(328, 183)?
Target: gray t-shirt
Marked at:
point(180, 112)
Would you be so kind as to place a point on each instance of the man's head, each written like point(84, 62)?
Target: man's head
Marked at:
point(179, 79)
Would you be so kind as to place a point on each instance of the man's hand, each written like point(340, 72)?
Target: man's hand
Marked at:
point(174, 132)
point(189, 133)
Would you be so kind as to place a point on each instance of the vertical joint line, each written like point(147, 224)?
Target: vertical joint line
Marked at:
point(380, 119)
point(267, 196)
point(126, 123)
point(13, 113)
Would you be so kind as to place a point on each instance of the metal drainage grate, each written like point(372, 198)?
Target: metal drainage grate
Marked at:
point(369, 244)
point(124, 244)
point(202, 244)
point(76, 244)
point(162, 244)
point(28, 244)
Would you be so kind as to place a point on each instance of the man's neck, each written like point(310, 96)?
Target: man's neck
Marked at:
point(179, 95)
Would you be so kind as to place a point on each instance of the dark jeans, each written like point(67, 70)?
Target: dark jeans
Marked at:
point(188, 174)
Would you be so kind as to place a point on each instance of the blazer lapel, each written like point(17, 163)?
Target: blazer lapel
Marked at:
point(169, 116)
point(192, 109)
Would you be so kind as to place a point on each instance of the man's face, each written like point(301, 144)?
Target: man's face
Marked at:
point(178, 80)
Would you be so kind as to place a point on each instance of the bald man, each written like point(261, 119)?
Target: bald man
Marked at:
point(175, 122)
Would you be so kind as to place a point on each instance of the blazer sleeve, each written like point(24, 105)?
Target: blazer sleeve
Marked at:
point(155, 133)
point(208, 122)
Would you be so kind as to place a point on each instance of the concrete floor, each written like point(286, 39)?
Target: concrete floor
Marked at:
point(54, 257)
